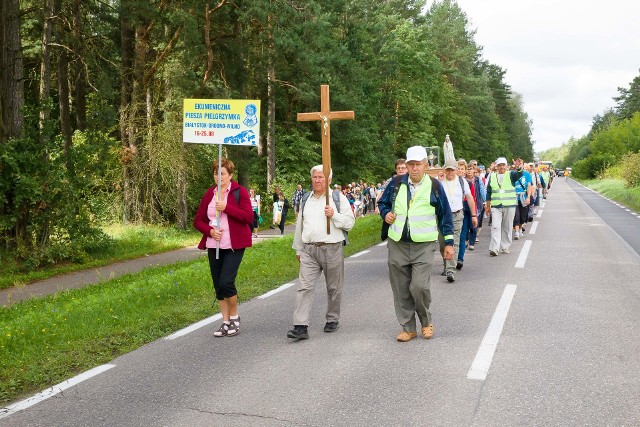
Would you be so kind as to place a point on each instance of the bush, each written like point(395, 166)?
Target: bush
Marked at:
point(592, 166)
point(631, 169)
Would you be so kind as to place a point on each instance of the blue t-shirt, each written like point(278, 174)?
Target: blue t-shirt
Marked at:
point(523, 183)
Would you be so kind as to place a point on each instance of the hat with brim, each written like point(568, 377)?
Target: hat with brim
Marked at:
point(450, 164)
point(501, 161)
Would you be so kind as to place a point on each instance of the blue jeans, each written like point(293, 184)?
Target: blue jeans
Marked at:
point(466, 224)
point(473, 232)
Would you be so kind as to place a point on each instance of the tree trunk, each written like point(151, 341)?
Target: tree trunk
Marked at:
point(271, 113)
point(45, 70)
point(79, 78)
point(63, 88)
point(126, 84)
point(181, 215)
point(12, 86)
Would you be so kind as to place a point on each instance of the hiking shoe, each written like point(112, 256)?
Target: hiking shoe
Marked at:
point(234, 327)
point(427, 331)
point(405, 336)
point(222, 331)
point(299, 332)
point(493, 253)
point(451, 277)
point(331, 327)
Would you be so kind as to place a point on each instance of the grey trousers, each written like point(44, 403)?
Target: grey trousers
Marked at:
point(501, 228)
point(313, 261)
point(450, 264)
point(410, 267)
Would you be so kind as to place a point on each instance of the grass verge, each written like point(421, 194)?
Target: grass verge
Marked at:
point(615, 189)
point(129, 242)
point(47, 340)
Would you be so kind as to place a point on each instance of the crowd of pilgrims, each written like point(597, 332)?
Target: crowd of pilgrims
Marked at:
point(363, 196)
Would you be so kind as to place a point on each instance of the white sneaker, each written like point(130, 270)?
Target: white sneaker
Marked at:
point(516, 235)
point(505, 251)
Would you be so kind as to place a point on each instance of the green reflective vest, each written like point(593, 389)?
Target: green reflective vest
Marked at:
point(545, 176)
point(505, 195)
point(421, 216)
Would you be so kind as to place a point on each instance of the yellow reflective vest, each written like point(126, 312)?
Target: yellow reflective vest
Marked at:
point(504, 195)
point(421, 216)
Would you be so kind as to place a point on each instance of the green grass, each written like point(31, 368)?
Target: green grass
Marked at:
point(616, 190)
point(129, 242)
point(45, 341)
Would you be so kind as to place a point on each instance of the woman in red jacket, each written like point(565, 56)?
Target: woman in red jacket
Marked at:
point(228, 205)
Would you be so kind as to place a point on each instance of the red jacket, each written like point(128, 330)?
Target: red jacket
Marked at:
point(240, 217)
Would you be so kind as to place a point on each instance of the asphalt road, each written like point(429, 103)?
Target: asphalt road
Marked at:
point(566, 353)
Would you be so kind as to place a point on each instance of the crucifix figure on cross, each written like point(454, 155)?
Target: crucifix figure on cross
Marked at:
point(325, 116)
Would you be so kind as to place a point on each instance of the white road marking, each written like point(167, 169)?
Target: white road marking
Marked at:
point(484, 356)
point(522, 259)
point(209, 320)
point(275, 291)
point(359, 254)
point(194, 327)
point(50, 392)
point(539, 214)
point(534, 226)
point(382, 244)
point(628, 210)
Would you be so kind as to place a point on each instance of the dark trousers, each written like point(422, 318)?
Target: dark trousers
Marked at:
point(224, 271)
point(283, 220)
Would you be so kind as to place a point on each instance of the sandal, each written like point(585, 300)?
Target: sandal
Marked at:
point(223, 331)
point(234, 327)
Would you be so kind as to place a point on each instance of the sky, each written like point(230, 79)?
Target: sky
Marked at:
point(567, 58)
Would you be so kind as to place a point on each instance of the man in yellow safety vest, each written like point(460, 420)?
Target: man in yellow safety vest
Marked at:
point(416, 207)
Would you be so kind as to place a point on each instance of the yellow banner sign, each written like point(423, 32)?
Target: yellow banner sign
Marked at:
point(221, 121)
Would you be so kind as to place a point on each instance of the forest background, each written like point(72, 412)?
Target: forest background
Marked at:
point(91, 104)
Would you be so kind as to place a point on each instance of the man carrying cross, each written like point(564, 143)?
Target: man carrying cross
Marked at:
point(319, 252)
point(319, 249)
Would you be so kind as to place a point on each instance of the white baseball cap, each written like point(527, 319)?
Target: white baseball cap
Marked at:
point(501, 160)
point(416, 153)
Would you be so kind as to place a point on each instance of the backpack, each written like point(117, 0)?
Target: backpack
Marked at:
point(336, 199)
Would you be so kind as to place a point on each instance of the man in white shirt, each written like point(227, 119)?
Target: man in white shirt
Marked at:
point(319, 252)
point(456, 188)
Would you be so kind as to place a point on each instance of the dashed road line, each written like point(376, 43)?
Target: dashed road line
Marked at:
point(524, 253)
point(484, 356)
point(534, 227)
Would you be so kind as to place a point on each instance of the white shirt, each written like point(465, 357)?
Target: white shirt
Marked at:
point(315, 222)
point(455, 192)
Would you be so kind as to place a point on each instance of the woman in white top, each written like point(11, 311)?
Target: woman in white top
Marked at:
point(255, 206)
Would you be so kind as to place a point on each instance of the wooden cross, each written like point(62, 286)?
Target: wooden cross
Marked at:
point(325, 116)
